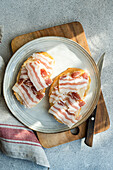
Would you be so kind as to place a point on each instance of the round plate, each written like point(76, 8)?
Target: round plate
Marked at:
point(66, 53)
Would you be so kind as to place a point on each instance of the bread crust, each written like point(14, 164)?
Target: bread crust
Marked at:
point(30, 59)
point(56, 80)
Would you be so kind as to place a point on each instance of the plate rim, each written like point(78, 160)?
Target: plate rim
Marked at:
point(85, 117)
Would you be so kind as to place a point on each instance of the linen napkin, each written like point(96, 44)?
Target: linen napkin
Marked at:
point(16, 140)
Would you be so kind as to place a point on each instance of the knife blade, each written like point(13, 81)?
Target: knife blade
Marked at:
point(91, 120)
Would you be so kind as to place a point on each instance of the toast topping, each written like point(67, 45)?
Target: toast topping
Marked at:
point(38, 75)
point(44, 62)
point(65, 98)
point(72, 82)
point(34, 76)
point(27, 94)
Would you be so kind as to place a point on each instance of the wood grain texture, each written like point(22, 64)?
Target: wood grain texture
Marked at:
point(75, 32)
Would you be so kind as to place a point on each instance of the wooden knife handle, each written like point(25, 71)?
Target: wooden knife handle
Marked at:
point(90, 129)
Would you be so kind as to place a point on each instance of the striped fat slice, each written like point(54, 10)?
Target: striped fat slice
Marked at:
point(28, 97)
point(69, 84)
point(34, 73)
point(61, 113)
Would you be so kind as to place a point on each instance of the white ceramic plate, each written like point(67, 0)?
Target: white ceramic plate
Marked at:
point(38, 117)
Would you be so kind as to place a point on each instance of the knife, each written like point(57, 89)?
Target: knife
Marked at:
point(91, 120)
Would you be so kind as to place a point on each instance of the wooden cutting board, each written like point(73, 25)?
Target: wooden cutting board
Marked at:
point(75, 32)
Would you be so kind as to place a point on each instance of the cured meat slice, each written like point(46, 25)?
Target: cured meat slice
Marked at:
point(66, 98)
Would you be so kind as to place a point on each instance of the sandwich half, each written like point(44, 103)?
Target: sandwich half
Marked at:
point(67, 94)
point(34, 76)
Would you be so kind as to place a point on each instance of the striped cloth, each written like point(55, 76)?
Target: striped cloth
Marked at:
point(16, 140)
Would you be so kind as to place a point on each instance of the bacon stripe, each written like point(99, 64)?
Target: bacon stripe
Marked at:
point(58, 116)
point(67, 79)
point(72, 105)
point(22, 95)
point(47, 59)
point(55, 97)
point(28, 97)
point(63, 113)
point(68, 87)
point(69, 113)
point(45, 64)
point(33, 68)
point(79, 83)
point(44, 67)
point(72, 83)
point(77, 80)
point(34, 97)
point(32, 77)
point(37, 55)
point(28, 94)
point(24, 74)
point(25, 95)
point(42, 80)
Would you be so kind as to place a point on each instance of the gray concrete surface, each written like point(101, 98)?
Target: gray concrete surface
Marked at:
point(23, 16)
